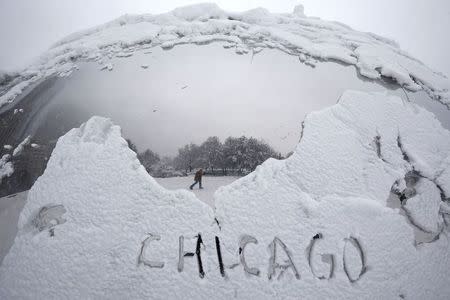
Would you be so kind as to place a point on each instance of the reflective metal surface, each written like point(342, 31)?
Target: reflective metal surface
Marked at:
point(166, 99)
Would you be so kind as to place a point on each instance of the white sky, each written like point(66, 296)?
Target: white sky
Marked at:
point(29, 27)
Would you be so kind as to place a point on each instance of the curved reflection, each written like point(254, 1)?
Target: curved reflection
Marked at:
point(166, 99)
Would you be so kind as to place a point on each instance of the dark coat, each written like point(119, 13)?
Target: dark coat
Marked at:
point(198, 175)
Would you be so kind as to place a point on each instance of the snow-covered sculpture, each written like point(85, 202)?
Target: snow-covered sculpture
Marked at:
point(333, 188)
point(310, 39)
point(316, 225)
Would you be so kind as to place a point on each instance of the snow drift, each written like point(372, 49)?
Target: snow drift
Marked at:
point(310, 39)
point(316, 225)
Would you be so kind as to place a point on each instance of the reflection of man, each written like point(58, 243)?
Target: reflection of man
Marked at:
point(197, 179)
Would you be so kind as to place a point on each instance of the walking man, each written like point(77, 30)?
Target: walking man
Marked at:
point(197, 179)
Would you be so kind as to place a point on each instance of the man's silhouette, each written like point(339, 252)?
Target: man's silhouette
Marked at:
point(197, 179)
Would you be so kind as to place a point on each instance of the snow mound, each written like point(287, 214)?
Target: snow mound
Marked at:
point(108, 204)
point(199, 12)
point(311, 39)
point(299, 11)
point(316, 225)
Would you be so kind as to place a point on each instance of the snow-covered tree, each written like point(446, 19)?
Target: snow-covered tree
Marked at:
point(131, 145)
point(211, 154)
point(187, 158)
point(240, 155)
point(230, 153)
point(148, 159)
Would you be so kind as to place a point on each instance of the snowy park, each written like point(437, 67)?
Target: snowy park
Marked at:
point(210, 185)
point(203, 153)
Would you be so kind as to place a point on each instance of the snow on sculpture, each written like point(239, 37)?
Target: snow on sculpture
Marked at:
point(124, 236)
point(115, 233)
point(311, 39)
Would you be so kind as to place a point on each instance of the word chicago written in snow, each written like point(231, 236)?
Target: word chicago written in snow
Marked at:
point(273, 262)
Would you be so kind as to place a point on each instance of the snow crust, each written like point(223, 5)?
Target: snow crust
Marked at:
point(313, 226)
point(6, 167)
point(311, 39)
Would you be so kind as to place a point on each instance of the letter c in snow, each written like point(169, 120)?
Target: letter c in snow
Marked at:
point(246, 239)
point(142, 259)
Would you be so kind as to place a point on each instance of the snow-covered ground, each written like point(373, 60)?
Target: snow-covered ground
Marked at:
point(210, 185)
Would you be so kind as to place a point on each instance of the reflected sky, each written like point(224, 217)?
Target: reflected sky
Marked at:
point(191, 92)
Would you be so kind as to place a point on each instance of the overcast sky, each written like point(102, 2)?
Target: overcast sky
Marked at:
point(29, 27)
